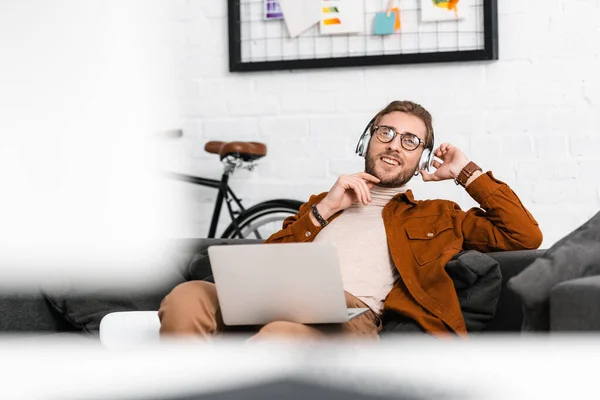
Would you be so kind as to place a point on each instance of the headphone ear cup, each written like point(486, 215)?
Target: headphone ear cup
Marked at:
point(425, 161)
point(427, 156)
point(363, 142)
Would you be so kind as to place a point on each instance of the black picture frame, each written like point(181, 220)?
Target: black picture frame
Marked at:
point(489, 52)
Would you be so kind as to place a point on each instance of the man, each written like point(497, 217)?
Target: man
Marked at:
point(392, 248)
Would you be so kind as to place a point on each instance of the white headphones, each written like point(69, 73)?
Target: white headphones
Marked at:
point(365, 138)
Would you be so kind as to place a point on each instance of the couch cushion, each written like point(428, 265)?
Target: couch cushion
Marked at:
point(29, 312)
point(509, 314)
point(478, 280)
point(574, 305)
point(574, 256)
point(85, 309)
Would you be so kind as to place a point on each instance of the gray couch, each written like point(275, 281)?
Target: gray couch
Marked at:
point(42, 313)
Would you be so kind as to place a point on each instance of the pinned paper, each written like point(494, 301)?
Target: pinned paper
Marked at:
point(387, 22)
point(342, 16)
point(299, 15)
point(272, 10)
point(397, 22)
point(443, 10)
point(383, 24)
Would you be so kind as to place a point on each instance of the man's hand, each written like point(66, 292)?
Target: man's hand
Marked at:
point(454, 160)
point(347, 190)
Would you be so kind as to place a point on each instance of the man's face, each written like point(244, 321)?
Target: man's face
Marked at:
point(390, 162)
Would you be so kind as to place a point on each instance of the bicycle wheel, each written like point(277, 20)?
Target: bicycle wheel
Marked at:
point(262, 220)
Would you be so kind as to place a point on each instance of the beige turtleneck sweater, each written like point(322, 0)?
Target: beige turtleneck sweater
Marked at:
point(359, 236)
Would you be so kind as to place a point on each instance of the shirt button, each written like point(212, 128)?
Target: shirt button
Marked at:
point(430, 234)
point(307, 233)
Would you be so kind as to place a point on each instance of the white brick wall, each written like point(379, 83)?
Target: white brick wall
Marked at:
point(532, 117)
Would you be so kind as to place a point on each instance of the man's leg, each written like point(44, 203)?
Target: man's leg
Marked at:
point(288, 330)
point(367, 325)
point(192, 308)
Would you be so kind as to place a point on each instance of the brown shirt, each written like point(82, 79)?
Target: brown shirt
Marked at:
point(423, 235)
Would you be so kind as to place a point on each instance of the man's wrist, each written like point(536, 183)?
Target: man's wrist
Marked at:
point(475, 175)
point(460, 167)
point(324, 210)
point(468, 174)
point(313, 219)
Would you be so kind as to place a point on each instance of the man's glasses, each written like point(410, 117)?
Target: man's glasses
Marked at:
point(386, 134)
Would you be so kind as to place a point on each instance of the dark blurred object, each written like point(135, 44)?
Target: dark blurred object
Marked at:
point(300, 389)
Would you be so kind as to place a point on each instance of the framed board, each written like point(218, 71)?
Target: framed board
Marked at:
point(259, 39)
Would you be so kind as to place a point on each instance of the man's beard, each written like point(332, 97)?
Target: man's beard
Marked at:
point(401, 178)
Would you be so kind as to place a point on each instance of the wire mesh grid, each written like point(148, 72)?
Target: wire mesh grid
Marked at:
point(268, 40)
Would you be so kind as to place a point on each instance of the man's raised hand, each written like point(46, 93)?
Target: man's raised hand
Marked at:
point(347, 190)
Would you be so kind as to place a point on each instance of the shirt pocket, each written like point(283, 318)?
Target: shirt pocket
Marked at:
point(429, 239)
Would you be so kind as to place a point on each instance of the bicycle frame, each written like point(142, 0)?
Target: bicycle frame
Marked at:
point(225, 194)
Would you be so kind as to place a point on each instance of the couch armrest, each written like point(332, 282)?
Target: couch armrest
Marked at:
point(509, 314)
point(575, 305)
point(29, 312)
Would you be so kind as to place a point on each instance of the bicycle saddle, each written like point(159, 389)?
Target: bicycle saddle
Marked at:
point(247, 151)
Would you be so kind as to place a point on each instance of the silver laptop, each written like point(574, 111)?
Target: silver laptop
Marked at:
point(297, 282)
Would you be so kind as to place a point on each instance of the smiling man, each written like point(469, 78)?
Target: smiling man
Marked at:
point(392, 248)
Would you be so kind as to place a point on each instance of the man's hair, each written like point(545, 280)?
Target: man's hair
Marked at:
point(411, 108)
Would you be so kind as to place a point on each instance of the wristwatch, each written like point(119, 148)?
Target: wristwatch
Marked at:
point(466, 173)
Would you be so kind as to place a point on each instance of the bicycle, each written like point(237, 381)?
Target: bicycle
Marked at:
point(260, 220)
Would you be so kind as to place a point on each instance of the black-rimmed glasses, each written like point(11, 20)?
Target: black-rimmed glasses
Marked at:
point(386, 134)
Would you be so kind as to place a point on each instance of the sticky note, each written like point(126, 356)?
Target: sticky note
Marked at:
point(397, 25)
point(384, 25)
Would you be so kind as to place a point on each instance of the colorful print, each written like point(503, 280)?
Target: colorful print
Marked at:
point(447, 4)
